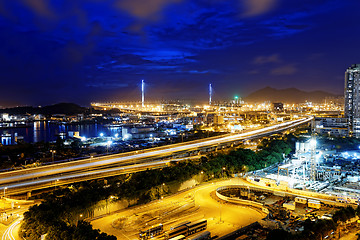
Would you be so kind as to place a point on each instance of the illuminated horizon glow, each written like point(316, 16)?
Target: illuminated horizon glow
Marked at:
point(101, 57)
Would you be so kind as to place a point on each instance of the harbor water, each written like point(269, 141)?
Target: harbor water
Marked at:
point(47, 132)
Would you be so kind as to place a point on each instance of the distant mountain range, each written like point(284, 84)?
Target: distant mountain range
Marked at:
point(287, 95)
point(60, 108)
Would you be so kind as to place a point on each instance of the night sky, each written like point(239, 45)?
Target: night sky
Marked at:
point(94, 50)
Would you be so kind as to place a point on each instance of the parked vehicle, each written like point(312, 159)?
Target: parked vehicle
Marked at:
point(151, 232)
point(186, 229)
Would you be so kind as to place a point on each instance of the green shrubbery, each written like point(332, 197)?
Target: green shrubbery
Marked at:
point(58, 214)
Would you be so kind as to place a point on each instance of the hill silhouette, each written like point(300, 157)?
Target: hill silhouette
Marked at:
point(59, 108)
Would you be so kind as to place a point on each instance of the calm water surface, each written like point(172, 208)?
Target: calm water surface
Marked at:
point(47, 132)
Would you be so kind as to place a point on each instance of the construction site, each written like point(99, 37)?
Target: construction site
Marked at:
point(318, 168)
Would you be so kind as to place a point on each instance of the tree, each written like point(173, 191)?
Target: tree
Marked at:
point(59, 145)
point(343, 214)
point(76, 146)
point(82, 231)
point(277, 234)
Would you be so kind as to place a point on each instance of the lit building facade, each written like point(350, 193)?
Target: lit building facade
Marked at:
point(331, 126)
point(352, 99)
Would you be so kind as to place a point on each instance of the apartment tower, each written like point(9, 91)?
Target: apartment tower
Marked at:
point(352, 99)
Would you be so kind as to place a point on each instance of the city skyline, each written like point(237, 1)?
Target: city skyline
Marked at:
point(100, 51)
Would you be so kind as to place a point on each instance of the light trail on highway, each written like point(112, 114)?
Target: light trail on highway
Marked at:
point(21, 181)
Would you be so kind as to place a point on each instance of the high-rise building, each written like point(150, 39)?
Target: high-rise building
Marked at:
point(352, 99)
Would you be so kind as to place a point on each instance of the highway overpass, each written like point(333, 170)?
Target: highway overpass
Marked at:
point(27, 180)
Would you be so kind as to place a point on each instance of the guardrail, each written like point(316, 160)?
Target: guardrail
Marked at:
point(324, 198)
point(57, 181)
point(108, 162)
point(222, 140)
point(240, 201)
point(190, 146)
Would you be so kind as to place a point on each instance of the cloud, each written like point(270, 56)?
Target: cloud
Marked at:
point(144, 9)
point(108, 84)
point(144, 12)
point(164, 55)
point(267, 59)
point(284, 70)
point(315, 56)
point(254, 8)
point(41, 7)
point(195, 71)
point(90, 41)
point(253, 72)
point(207, 28)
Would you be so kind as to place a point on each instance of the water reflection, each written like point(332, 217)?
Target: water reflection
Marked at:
point(45, 131)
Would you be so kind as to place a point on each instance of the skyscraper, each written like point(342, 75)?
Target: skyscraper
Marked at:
point(352, 99)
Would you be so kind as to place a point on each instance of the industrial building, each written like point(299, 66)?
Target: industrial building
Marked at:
point(337, 127)
point(138, 131)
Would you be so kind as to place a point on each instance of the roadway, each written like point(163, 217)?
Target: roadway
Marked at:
point(222, 218)
point(11, 232)
point(196, 203)
point(26, 180)
point(326, 199)
point(53, 181)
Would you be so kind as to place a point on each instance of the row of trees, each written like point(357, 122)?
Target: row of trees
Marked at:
point(58, 214)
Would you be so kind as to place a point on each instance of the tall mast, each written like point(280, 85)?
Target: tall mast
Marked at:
point(142, 93)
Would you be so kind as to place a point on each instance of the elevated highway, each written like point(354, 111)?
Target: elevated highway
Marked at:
point(27, 180)
point(293, 193)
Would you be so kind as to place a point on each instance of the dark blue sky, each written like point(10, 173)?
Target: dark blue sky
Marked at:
point(94, 50)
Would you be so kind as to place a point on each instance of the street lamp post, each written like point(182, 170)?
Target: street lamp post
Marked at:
point(108, 143)
point(4, 197)
point(52, 154)
point(222, 172)
point(91, 157)
point(220, 211)
point(162, 190)
point(56, 182)
point(202, 172)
